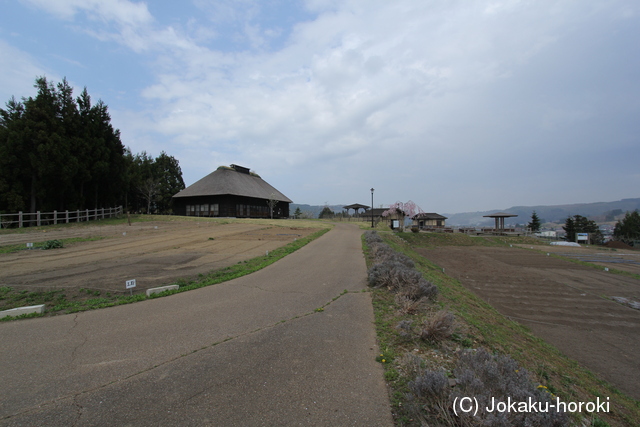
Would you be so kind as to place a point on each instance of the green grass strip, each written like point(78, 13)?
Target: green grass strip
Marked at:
point(7, 249)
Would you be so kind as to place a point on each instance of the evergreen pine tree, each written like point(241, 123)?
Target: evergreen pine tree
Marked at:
point(628, 229)
point(534, 225)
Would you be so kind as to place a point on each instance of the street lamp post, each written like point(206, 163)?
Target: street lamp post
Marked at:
point(372, 207)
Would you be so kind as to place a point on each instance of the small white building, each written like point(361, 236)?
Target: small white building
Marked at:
point(548, 234)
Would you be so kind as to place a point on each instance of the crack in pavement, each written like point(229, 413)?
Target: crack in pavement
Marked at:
point(76, 395)
point(78, 412)
point(316, 311)
point(272, 291)
point(77, 347)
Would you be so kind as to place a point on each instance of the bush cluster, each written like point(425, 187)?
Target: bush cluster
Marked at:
point(396, 272)
point(484, 376)
point(52, 244)
point(434, 328)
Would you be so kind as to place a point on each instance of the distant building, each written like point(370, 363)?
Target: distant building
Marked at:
point(429, 220)
point(231, 192)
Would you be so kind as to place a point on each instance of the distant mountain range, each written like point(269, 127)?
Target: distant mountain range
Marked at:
point(600, 212)
point(315, 209)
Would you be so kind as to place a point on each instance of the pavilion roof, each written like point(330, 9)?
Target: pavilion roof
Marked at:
point(356, 206)
point(499, 215)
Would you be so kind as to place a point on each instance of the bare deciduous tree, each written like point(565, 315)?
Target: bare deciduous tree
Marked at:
point(149, 189)
point(272, 202)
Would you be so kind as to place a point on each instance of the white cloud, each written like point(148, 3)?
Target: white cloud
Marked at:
point(440, 89)
point(122, 12)
point(18, 73)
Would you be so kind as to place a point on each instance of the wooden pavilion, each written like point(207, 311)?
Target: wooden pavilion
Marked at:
point(356, 207)
point(499, 218)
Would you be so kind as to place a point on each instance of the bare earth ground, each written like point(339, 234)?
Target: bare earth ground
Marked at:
point(562, 302)
point(153, 253)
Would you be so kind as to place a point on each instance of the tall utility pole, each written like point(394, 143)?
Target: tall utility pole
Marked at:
point(371, 207)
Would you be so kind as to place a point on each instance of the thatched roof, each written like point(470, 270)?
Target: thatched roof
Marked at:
point(234, 180)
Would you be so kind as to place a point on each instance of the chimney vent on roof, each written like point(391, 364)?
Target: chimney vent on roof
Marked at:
point(241, 169)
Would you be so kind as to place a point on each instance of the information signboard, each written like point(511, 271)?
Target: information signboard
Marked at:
point(582, 237)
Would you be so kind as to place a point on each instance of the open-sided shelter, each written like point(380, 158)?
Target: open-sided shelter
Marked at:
point(231, 192)
point(356, 207)
point(499, 218)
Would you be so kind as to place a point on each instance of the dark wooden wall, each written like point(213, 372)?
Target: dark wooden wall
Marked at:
point(230, 206)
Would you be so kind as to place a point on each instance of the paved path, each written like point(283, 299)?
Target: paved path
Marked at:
point(248, 352)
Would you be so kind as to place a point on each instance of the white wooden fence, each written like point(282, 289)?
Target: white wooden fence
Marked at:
point(22, 219)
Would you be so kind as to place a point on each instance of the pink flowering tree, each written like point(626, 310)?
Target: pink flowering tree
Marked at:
point(402, 210)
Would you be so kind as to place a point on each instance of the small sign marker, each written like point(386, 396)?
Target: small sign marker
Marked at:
point(130, 284)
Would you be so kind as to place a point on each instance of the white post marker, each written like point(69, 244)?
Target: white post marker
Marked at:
point(130, 284)
point(30, 245)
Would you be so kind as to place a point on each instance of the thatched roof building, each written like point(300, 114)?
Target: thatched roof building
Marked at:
point(231, 192)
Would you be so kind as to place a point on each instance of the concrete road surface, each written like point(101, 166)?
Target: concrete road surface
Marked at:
point(249, 352)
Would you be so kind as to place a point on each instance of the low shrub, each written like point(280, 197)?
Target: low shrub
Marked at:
point(383, 274)
point(396, 272)
point(407, 305)
point(438, 327)
point(404, 328)
point(52, 244)
point(430, 385)
point(382, 252)
point(371, 237)
point(418, 289)
point(489, 379)
point(496, 378)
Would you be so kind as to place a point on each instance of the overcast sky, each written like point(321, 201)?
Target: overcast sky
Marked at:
point(457, 105)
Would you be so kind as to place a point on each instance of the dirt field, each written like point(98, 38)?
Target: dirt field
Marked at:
point(620, 259)
point(562, 302)
point(153, 253)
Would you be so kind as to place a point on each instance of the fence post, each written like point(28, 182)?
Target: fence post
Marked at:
point(88, 219)
point(66, 215)
point(55, 217)
point(38, 218)
point(102, 213)
point(20, 219)
point(78, 215)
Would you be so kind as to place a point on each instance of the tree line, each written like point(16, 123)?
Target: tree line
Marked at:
point(60, 153)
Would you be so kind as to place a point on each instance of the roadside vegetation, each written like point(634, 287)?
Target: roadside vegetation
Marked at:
point(65, 301)
point(136, 218)
point(438, 348)
point(48, 244)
